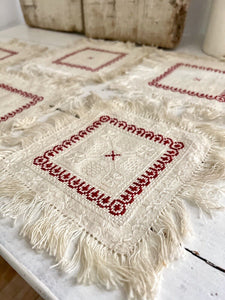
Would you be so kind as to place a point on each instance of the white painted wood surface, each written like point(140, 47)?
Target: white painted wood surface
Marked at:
point(187, 279)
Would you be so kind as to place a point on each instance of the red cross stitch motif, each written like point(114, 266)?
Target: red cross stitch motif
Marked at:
point(115, 207)
point(34, 100)
point(156, 82)
point(117, 56)
point(113, 155)
point(8, 53)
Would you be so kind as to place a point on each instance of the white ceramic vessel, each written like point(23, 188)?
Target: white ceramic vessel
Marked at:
point(214, 43)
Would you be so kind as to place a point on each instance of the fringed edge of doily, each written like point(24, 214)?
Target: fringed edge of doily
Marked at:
point(138, 271)
point(138, 54)
point(192, 109)
point(10, 144)
point(62, 93)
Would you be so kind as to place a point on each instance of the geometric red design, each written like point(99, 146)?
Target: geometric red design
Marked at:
point(88, 68)
point(34, 100)
point(113, 155)
point(156, 82)
point(8, 53)
point(118, 206)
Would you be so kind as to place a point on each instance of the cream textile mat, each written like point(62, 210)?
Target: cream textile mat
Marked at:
point(195, 85)
point(88, 60)
point(24, 100)
point(15, 52)
point(111, 187)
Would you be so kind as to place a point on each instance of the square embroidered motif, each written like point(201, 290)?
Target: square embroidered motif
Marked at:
point(15, 52)
point(88, 60)
point(114, 182)
point(92, 58)
point(202, 77)
point(24, 100)
point(195, 84)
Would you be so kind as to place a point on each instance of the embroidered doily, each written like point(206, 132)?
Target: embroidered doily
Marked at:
point(113, 182)
point(193, 83)
point(15, 52)
point(23, 100)
point(88, 60)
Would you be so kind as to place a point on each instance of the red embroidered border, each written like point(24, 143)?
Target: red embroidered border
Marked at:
point(59, 60)
point(8, 51)
point(35, 100)
point(115, 207)
point(155, 82)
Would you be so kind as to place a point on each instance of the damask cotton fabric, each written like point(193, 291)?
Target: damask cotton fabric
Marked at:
point(88, 60)
point(15, 52)
point(194, 84)
point(110, 187)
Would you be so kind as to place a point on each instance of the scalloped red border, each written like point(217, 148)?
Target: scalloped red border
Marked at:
point(118, 206)
point(59, 61)
point(155, 82)
point(34, 100)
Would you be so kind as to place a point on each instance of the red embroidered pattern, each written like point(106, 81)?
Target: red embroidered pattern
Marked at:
point(35, 100)
point(112, 155)
point(60, 60)
point(9, 53)
point(118, 206)
point(155, 82)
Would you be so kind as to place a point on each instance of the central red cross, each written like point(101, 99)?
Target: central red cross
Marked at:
point(113, 155)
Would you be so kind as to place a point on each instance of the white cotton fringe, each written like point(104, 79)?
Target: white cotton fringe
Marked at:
point(135, 84)
point(138, 271)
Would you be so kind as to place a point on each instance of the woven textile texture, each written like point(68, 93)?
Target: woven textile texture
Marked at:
point(105, 194)
point(88, 60)
point(23, 100)
point(15, 52)
point(194, 84)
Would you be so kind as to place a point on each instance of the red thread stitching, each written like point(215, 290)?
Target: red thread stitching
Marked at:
point(155, 82)
point(115, 207)
point(113, 155)
point(8, 51)
point(34, 101)
point(59, 61)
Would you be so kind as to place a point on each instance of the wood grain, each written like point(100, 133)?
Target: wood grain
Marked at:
point(12, 286)
point(151, 22)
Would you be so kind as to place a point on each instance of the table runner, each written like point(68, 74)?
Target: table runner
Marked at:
point(88, 60)
point(105, 193)
point(195, 84)
point(15, 51)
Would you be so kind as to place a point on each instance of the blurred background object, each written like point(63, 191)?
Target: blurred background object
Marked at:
point(193, 35)
point(152, 22)
point(214, 43)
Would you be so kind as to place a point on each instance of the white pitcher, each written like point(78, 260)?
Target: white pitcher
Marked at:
point(214, 43)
